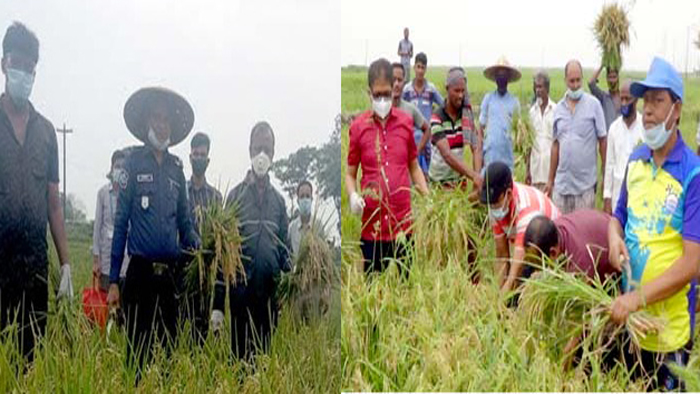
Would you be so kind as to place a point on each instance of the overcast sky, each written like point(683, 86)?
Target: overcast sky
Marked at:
point(535, 33)
point(236, 62)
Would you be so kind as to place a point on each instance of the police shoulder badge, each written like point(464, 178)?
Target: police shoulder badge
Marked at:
point(123, 179)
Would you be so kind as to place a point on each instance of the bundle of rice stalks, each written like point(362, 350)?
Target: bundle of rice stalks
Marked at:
point(611, 30)
point(220, 251)
point(447, 225)
point(308, 288)
point(555, 298)
point(523, 138)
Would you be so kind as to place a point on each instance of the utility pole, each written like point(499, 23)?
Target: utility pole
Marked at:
point(64, 131)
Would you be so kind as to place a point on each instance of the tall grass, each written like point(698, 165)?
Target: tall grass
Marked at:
point(436, 330)
point(76, 357)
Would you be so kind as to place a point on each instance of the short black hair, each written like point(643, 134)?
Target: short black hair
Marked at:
point(200, 139)
point(21, 40)
point(398, 65)
point(305, 182)
point(422, 58)
point(542, 234)
point(380, 68)
point(261, 126)
point(117, 155)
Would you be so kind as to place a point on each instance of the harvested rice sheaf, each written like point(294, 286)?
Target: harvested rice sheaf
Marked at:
point(309, 287)
point(611, 31)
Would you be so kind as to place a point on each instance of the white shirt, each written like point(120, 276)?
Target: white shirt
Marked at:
point(697, 137)
point(542, 145)
point(621, 142)
point(103, 229)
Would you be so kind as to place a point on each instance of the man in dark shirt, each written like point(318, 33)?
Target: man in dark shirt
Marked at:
point(28, 196)
point(152, 212)
point(263, 222)
point(200, 196)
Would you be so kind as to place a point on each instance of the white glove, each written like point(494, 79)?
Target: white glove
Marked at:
point(217, 320)
point(357, 203)
point(65, 289)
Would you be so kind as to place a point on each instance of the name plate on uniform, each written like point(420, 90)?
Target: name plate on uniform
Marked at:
point(141, 178)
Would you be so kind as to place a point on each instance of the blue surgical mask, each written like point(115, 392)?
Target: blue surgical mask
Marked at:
point(499, 213)
point(19, 85)
point(657, 136)
point(626, 110)
point(575, 94)
point(305, 206)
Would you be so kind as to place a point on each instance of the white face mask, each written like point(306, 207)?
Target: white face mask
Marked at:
point(155, 142)
point(657, 136)
point(261, 164)
point(381, 106)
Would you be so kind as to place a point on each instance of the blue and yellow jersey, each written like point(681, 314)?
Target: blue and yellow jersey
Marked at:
point(659, 208)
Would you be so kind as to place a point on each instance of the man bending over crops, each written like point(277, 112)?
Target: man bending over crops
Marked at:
point(381, 141)
point(452, 127)
point(423, 94)
point(420, 124)
point(656, 227)
point(512, 206)
point(200, 195)
point(28, 196)
point(152, 213)
point(610, 100)
point(497, 111)
point(262, 219)
point(579, 125)
point(581, 236)
point(541, 116)
point(103, 228)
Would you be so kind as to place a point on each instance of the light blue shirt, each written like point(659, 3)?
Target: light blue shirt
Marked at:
point(578, 135)
point(497, 114)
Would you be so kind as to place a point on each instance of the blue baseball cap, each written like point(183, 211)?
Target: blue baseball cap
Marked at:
point(661, 75)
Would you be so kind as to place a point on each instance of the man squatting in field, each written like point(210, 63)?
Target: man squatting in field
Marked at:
point(152, 213)
point(29, 196)
point(382, 143)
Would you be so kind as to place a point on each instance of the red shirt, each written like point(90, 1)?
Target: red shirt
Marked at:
point(528, 203)
point(384, 155)
point(583, 236)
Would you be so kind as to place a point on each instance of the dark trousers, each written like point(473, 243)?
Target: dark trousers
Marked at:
point(194, 301)
point(151, 308)
point(24, 302)
point(254, 312)
point(377, 254)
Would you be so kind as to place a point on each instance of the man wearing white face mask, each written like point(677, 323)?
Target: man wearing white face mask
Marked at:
point(656, 228)
point(578, 126)
point(263, 224)
point(302, 223)
point(103, 228)
point(512, 206)
point(381, 141)
point(29, 196)
point(152, 211)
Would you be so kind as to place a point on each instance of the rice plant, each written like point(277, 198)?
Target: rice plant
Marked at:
point(611, 31)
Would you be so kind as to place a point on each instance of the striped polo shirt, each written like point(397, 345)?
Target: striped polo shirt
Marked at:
point(528, 203)
point(443, 126)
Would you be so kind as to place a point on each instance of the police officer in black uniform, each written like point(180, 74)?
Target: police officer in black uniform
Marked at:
point(153, 215)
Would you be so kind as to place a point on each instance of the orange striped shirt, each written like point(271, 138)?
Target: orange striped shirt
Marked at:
point(528, 203)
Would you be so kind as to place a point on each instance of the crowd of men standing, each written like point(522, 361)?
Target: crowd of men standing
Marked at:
point(147, 220)
point(648, 231)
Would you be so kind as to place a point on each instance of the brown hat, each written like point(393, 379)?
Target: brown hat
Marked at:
point(137, 108)
point(502, 64)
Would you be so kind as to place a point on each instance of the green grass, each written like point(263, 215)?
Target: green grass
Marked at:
point(436, 331)
point(75, 357)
